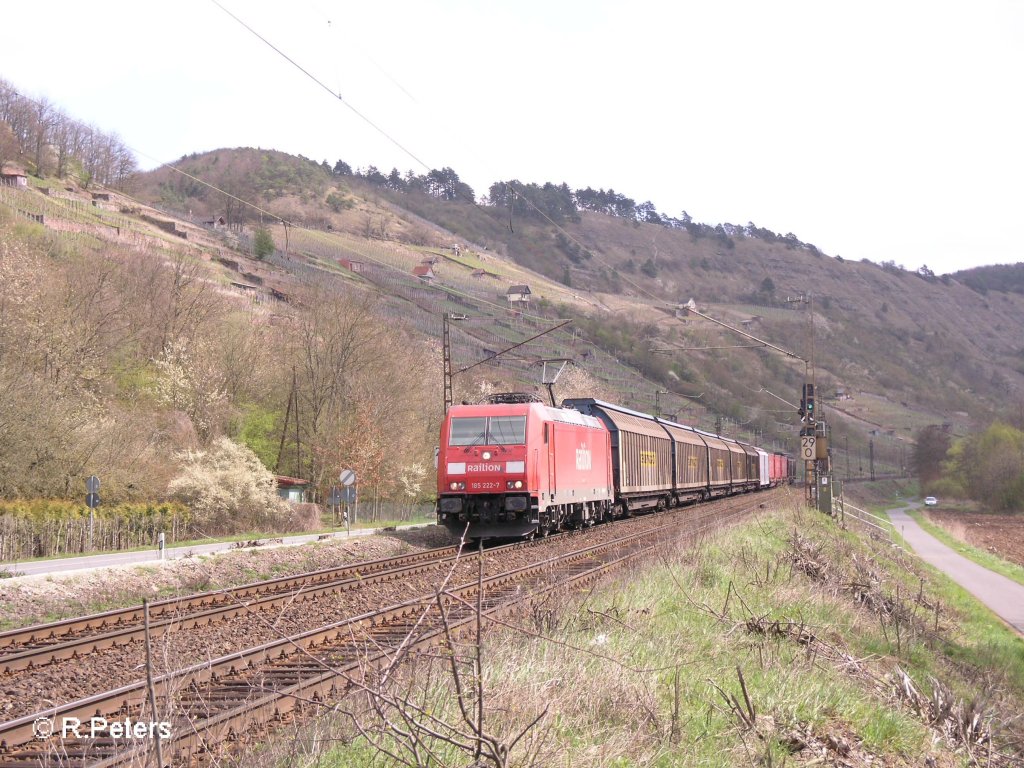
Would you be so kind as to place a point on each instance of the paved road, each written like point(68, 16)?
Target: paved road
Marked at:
point(90, 562)
point(1004, 596)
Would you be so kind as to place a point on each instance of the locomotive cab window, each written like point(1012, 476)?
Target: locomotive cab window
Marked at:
point(493, 430)
point(506, 430)
point(469, 431)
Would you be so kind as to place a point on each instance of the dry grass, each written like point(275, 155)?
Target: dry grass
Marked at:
point(759, 647)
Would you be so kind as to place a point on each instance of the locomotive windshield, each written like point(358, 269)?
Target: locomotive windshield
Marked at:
point(493, 430)
point(468, 431)
point(506, 430)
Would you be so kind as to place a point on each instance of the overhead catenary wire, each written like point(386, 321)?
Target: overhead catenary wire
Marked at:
point(323, 85)
point(337, 96)
point(413, 156)
point(289, 223)
point(265, 212)
point(515, 191)
point(512, 187)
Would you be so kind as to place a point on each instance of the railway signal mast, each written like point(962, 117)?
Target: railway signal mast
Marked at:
point(814, 449)
point(814, 434)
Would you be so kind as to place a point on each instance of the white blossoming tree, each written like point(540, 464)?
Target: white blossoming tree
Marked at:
point(228, 489)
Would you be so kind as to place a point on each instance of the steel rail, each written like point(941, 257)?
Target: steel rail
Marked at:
point(228, 603)
point(42, 633)
point(80, 646)
point(231, 603)
point(259, 660)
point(326, 681)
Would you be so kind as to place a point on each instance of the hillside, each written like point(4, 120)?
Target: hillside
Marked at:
point(997, 277)
point(186, 334)
point(905, 347)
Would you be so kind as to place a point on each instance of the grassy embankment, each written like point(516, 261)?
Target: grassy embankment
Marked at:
point(645, 670)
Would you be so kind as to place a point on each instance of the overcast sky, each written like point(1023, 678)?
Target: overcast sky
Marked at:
point(879, 130)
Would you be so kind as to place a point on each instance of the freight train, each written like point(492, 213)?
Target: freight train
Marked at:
point(515, 467)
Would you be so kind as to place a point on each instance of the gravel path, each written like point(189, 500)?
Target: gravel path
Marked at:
point(1004, 596)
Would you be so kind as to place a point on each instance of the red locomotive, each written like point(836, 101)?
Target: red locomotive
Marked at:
point(514, 466)
point(517, 466)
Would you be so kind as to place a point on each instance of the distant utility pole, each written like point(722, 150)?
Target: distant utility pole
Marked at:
point(446, 346)
point(293, 406)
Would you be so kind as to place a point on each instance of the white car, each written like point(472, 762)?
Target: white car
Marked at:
point(930, 501)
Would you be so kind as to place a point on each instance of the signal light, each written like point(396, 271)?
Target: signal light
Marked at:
point(807, 403)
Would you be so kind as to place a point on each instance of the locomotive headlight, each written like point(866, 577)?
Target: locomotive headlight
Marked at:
point(514, 484)
point(486, 455)
point(455, 486)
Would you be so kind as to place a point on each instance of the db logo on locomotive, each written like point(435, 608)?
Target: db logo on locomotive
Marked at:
point(583, 458)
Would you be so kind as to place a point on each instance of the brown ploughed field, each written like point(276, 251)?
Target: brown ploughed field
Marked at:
point(1002, 535)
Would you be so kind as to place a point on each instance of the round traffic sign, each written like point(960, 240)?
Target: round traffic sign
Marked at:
point(347, 477)
point(92, 485)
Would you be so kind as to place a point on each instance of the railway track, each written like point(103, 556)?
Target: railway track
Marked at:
point(220, 699)
point(42, 644)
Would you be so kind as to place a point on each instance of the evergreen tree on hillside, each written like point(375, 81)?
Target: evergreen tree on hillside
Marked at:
point(395, 181)
point(263, 243)
point(446, 185)
point(535, 201)
point(375, 177)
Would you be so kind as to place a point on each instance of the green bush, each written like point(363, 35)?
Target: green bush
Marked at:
point(339, 202)
point(990, 466)
point(947, 487)
point(263, 243)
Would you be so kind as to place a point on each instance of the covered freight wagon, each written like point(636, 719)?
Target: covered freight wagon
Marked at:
point(690, 461)
point(641, 453)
